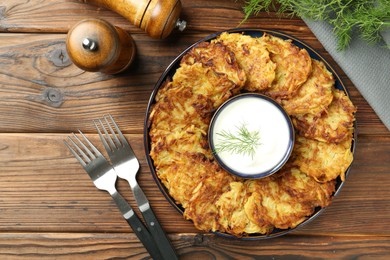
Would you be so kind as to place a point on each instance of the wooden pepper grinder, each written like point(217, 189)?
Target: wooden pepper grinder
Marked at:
point(96, 45)
point(157, 17)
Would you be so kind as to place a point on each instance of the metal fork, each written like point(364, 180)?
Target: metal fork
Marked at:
point(104, 178)
point(126, 166)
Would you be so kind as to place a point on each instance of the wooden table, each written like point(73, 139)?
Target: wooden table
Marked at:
point(49, 208)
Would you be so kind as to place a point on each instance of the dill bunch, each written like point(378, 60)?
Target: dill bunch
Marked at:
point(241, 142)
point(367, 18)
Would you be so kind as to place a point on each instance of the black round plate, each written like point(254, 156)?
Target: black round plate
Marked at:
point(170, 71)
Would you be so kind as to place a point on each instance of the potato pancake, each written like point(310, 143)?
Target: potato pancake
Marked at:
point(202, 208)
point(219, 59)
point(180, 106)
point(253, 58)
point(208, 75)
point(186, 172)
point(179, 123)
point(207, 82)
point(287, 200)
point(293, 66)
point(315, 95)
point(322, 161)
point(333, 125)
point(233, 217)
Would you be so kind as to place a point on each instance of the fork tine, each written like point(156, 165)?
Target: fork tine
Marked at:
point(83, 154)
point(105, 144)
point(96, 151)
point(112, 145)
point(75, 153)
point(112, 131)
point(122, 137)
point(90, 154)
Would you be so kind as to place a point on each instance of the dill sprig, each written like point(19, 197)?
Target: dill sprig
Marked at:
point(365, 17)
point(241, 142)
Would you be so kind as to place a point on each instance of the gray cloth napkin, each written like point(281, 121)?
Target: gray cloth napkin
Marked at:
point(367, 66)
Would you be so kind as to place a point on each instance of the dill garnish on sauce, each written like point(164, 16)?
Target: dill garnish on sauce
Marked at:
point(242, 141)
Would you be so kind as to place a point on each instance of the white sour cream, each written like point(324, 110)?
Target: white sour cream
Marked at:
point(258, 114)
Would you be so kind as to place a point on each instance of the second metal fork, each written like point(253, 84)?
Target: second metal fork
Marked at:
point(126, 166)
point(104, 178)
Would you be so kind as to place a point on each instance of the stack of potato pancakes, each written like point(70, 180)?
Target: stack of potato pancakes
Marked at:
point(209, 74)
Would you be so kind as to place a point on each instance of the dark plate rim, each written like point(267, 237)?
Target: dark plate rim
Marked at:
point(170, 70)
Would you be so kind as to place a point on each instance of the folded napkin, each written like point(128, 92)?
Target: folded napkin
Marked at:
point(367, 66)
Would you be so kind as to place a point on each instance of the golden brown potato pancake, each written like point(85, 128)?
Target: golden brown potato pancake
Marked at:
point(202, 208)
point(178, 106)
point(322, 161)
point(207, 82)
point(315, 95)
point(233, 216)
point(221, 206)
point(293, 66)
point(253, 58)
point(219, 59)
point(184, 174)
point(333, 125)
point(287, 200)
point(179, 123)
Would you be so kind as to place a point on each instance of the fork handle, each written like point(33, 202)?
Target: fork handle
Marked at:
point(159, 236)
point(136, 224)
point(155, 229)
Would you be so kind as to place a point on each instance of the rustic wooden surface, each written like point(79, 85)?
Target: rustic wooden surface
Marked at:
point(49, 208)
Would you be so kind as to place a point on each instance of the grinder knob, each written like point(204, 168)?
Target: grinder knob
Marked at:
point(156, 17)
point(96, 45)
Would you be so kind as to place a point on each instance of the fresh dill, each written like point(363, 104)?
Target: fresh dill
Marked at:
point(242, 141)
point(367, 18)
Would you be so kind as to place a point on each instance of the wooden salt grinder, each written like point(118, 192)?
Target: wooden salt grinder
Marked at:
point(96, 45)
point(156, 17)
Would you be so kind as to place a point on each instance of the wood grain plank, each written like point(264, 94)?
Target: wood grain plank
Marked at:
point(50, 94)
point(51, 16)
point(189, 246)
point(40, 180)
point(201, 16)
